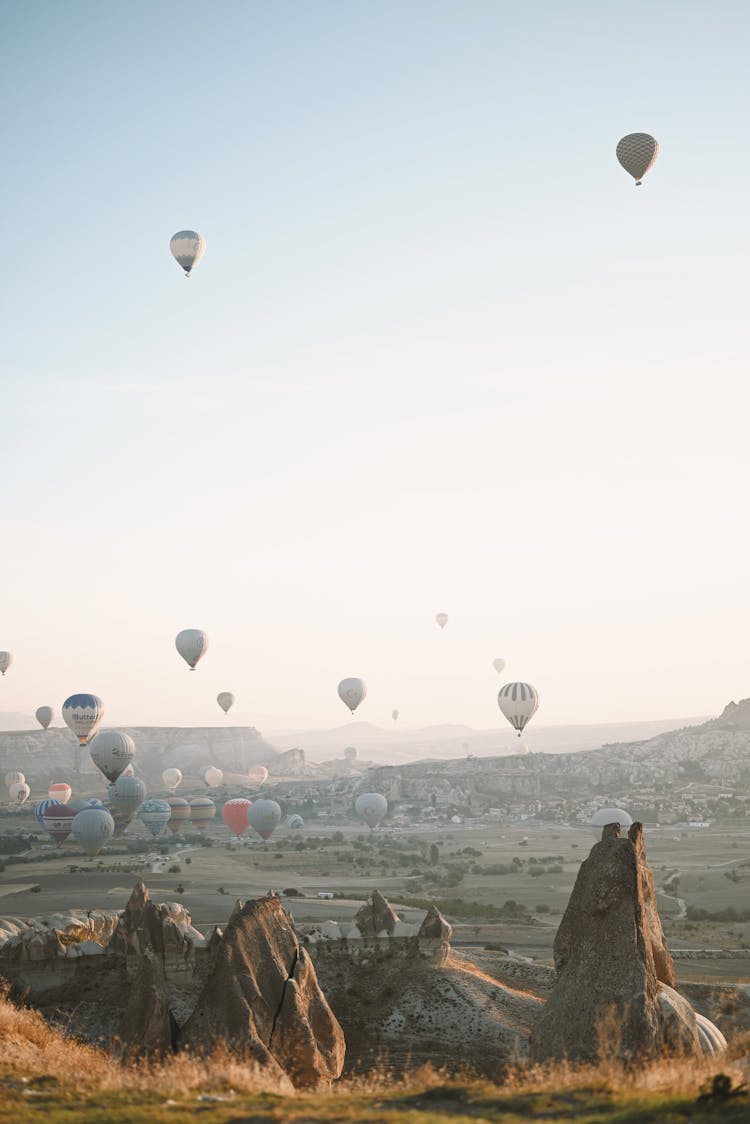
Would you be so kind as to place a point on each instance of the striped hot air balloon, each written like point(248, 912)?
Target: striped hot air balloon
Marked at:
point(519, 703)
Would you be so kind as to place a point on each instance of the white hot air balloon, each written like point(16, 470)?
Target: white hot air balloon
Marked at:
point(637, 153)
point(442, 619)
point(264, 817)
point(44, 716)
point(92, 828)
point(499, 666)
point(519, 703)
point(83, 715)
point(211, 776)
point(394, 715)
point(225, 700)
point(604, 816)
point(257, 775)
point(111, 751)
point(187, 248)
point(14, 777)
point(6, 659)
point(19, 793)
point(171, 778)
point(191, 643)
point(351, 692)
point(371, 807)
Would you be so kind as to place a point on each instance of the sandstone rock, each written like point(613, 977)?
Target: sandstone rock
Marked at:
point(164, 929)
point(244, 1005)
point(434, 926)
point(610, 953)
point(307, 1040)
point(147, 1026)
point(375, 916)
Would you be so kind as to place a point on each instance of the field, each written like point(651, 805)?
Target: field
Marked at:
point(471, 871)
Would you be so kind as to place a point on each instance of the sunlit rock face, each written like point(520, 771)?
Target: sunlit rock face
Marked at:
point(614, 992)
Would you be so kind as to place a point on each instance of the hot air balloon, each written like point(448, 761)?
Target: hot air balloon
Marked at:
point(19, 793)
point(187, 248)
point(40, 808)
point(58, 821)
point(83, 715)
point(442, 619)
point(155, 815)
point(499, 666)
point(610, 815)
point(202, 811)
point(111, 751)
point(191, 643)
point(225, 699)
point(351, 692)
point(211, 776)
point(14, 777)
point(257, 775)
point(44, 716)
point(180, 813)
point(234, 814)
point(60, 792)
point(394, 715)
point(126, 795)
point(371, 807)
point(637, 153)
point(6, 659)
point(295, 822)
point(519, 703)
point(264, 817)
point(350, 753)
point(171, 778)
point(92, 828)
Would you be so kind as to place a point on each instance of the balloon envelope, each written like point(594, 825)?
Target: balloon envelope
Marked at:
point(111, 751)
point(264, 817)
point(127, 794)
point(19, 793)
point(155, 815)
point(296, 822)
point(180, 813)
point(202, 811)
point(442, 619)
point(58, 821)
point(604, 816)
point(371, 807)
point(6, 659)
point(211, 776)
point(14, 777)
point(351, 692)
point(637, 153)
point(225, 699)
point(171, 778)
point(92, 828)
point(44, 715)
point(187, 248)
point(499, 666)
point(394, 715)
point(257, 774)
point(234, 814)
point(192, 644)
point(60, 792)
point(83, 715)
point(519, 703)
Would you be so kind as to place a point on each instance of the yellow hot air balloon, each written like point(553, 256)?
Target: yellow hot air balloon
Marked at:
point(637, 153)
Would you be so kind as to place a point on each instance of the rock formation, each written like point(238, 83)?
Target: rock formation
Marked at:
point(375, 916)
point(614, 990)
point(261, 1000)
point(435, 927)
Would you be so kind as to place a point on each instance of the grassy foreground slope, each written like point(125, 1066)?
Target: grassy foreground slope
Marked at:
point(45, 1077)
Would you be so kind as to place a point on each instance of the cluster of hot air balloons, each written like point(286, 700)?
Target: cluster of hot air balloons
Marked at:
point(18, 790)
point(263, 816)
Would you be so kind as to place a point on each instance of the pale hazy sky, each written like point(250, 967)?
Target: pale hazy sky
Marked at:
point(441, 354)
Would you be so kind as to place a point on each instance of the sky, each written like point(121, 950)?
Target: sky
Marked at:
point(441, 355)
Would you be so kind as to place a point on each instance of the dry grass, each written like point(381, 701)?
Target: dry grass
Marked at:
point(79, 1082)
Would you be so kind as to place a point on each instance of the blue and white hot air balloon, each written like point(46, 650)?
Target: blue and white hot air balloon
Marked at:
point(155, 815)
point(83, 715)
point(519, 703)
